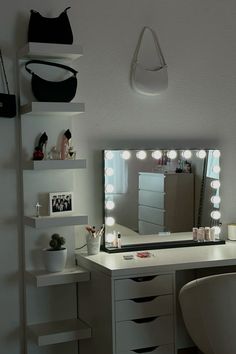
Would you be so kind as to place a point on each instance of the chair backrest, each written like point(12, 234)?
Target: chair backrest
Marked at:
point(209, 311)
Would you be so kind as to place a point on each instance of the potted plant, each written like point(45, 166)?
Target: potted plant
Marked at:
point(55, 256)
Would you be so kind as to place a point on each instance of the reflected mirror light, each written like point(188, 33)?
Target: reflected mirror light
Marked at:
point(137, 184)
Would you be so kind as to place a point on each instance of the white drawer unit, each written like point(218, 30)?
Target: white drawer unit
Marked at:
point(137, 287)
point(165, 202)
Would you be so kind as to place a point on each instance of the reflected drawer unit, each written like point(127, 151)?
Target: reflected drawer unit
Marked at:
point(165, 202)
point(144, 315)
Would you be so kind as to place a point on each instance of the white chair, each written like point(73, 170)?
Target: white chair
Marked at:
point(209, 311)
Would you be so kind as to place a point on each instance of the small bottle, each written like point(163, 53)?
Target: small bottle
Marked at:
point(207, 234)
point(118, 240)
point(201, 234)
point(195, 230)
point(212, 234)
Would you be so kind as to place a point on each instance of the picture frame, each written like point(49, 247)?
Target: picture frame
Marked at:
point(61, 203)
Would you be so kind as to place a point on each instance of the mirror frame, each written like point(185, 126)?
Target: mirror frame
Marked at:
point(156, 154)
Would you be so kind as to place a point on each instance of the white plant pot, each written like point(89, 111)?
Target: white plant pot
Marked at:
point(54, 261)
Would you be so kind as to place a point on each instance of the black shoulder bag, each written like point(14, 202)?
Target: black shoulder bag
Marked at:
point(50, 30)
point(7, 101)
point(52, 91)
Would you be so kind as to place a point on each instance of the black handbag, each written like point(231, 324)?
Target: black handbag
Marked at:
point(7, 101)
point(52, 91)
point(50, 30)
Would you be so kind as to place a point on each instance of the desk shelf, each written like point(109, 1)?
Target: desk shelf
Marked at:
point(52, 221)
point(53, 164)
point(59, 332)
point(60, 109)
point(41, 278)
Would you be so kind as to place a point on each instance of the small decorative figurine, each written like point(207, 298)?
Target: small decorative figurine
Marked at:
point(65, 144)
point(37, 207)
point(71, 153)
point(40, 149)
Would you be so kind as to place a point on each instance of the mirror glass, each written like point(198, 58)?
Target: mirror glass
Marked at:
point(159, 192)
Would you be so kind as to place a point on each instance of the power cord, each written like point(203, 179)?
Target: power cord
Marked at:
point(79, 248)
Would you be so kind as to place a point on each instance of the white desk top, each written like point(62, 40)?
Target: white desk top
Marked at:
point(163, 260)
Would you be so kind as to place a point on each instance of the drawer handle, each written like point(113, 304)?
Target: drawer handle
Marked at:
point(143, 320)
point(144, 299)
point(141, 279)
point(145, 350)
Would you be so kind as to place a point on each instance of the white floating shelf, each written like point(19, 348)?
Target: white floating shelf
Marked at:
point(52, 221)
point(71, 275)
point(52, 108)
point(50, 51)
point(54, 164)
point(59, 332)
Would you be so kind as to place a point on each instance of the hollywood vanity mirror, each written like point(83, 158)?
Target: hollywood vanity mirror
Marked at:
point(154, 198)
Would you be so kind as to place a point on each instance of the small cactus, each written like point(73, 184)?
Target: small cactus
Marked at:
point(56, 242)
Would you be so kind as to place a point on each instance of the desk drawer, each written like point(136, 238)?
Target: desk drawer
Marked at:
point(136, 334)
point(144, 307)
point(147, 228)
point(161, 349)
point(152, 182)
point(143, 286)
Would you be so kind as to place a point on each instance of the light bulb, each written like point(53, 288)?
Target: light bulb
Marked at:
point(216, 169)
point(215, 184)
point(109, 155)
point(187, 154)
point(109, 188)
point(110, 221)
point(109, 171)
point(215, 199)
point(110, 237)
point(157, 154)
point(110, 205)
point(126, 155)
point(216, 153)
point(215, 215)
point(141, 155)
point(201, 154)
point(172, 154)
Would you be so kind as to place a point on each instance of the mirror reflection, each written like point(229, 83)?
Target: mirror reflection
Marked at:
point(160, 192)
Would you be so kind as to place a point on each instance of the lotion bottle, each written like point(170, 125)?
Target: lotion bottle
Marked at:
point(118, 240)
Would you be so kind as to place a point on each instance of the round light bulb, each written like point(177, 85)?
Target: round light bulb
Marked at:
point(201, 154)
point(215, 215)
point(109, 155)
point(172, 154)
point(110, 205)
point(187, 154)
point(141, 155)
point(157, 154)
point(216, 153)
point(215, 184)
point(109, 188)
point(110, 237)
point(110, 221)
point(126, 155)
point(215, 199)
point(216, 169)
point(109, 171)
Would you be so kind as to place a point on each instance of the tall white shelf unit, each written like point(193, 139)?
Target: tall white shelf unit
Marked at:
point(72, 329)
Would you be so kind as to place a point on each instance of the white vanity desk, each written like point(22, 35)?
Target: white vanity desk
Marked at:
point(132, 305)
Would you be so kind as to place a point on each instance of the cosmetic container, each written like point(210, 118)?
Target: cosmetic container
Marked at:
point(195, 230)
point(201, 234)
point(207, 234)
point(119, 240)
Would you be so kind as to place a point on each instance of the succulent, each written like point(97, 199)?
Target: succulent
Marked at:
point(56, 242)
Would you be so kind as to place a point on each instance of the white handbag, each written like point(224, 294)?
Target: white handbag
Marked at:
point(146, 79)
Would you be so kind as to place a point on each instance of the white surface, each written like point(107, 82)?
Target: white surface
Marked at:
point(50, 51)
point(52, 108)
point(70, 275)
point(52, 221)
point(164, 260)
point(54, 164)
point(59, 332)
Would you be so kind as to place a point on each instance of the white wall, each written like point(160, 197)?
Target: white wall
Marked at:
point(197, 110)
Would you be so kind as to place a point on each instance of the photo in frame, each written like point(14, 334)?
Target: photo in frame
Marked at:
point(60, 203)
